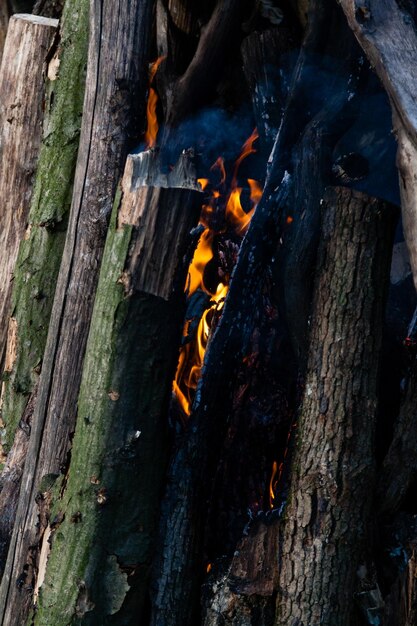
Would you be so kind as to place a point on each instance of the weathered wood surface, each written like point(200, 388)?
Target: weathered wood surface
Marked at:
point(115, 95)
point(121, 437)
point(40, 251)
point(333, 469)
point(389, 39)
point(4, 21)
point(22, 89)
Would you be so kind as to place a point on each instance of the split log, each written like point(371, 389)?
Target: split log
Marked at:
point(40, 251)
point(22, 89)
point(121, 436)
point(115, 95)
point(389, 39)
point(326, 520)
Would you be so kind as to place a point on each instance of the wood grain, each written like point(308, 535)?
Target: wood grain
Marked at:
point(22, 88)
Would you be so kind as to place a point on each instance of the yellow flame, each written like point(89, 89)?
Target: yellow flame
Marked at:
point(272, 485)
point(202, 255)
point(235, 213)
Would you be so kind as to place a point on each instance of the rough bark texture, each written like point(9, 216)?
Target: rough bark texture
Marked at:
point(121, 434)
point(40, 252)
point(49, 8)
point(324, 548)
point(22, 89)
point(116, 88)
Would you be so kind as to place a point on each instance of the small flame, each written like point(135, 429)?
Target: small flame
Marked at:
point(247, 149)
point(219, 164)
point(203, 182)
point(202, 255)
point(272, 485)
point(235, 213)
point(209, 567)
point(153, 127)
point(256, 191)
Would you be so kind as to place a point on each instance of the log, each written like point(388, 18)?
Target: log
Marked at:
point(389, 39)
point(115, 95)
point(40, 251)
point(179, 564)
point(326, 519)
point(4, 22)
point(22, 89)
point(49, 8)
point(121, 436)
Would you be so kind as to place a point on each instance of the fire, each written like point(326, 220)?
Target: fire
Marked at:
point(272, 485)
point(152, 127)
point(237, 219)
point(235, 213)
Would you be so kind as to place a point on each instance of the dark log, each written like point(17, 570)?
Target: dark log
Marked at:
point(326, 520)
point(179, 559)
point(121, 435)
point(49, 8)
point(389, 39)
point(399, 469)
point(115, 94)
point(40, 251)
point(267, 64)
point(22, 90)
point(4, 22)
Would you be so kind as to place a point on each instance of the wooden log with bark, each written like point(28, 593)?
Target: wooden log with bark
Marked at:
point(22, 88)
point(40, 251)
point(325, 539)
point(121, 436)
point(115, 97)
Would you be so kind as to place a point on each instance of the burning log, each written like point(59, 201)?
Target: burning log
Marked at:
point(121, 434)
point(333, 467)
point(40, 251)
point(116, 83)
point(28, 42)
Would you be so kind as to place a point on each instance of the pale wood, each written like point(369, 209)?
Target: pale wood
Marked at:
point(22, 85)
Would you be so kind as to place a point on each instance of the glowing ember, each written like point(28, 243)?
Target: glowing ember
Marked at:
point(152, 127)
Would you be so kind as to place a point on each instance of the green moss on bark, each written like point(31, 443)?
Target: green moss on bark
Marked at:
point(40, 253)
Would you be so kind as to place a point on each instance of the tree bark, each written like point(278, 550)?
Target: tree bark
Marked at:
point(121, 436)
point(22, 89)
point(40, 251)
point(326, 521)
point(4, 22)
point(115, 94)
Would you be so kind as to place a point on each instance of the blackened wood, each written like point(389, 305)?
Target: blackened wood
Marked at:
point(121, 434)
point(22, 89)
point(49, 8)
point(179, 558)
point(389, 39)
point(267, 65)
point(399, 469)
point(325, 536)
point(40, 251)
point(115, 93)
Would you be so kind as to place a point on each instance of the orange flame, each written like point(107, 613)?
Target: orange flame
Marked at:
point(247, 149)
point(272, 484)
point(235, 213)
point(219, 164)
point(153, 126)
point(202, 255)
point(256, 191)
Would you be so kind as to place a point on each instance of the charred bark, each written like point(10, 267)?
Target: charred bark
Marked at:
point(116, 83)
point(324, 552)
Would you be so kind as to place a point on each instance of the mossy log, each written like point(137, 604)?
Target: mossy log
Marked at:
point(121, 435)
point(40, 251)
point(328, 510)
point(115, 99)
point(22, 92)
